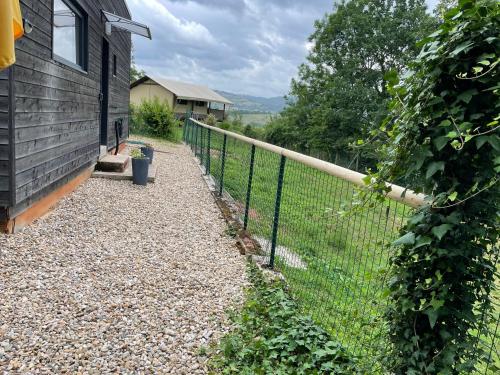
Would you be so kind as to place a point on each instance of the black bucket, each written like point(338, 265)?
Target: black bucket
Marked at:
point(140, 169)
point(148, 151)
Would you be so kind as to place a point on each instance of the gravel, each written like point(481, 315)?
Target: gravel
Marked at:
point(120, 278)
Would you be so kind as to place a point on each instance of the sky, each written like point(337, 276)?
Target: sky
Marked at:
point(249, 47)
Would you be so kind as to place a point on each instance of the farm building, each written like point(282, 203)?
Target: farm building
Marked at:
point(64, 102)
point(180, 96)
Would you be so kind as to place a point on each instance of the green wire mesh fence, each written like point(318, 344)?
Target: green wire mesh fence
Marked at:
point(335, 258)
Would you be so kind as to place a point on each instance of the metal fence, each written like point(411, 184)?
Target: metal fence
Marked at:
point(301, 211)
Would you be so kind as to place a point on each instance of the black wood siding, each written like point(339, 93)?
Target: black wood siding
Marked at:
point(4, 139)
point(57, 117)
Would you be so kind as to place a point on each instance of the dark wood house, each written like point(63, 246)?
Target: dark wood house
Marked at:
point(64, 102)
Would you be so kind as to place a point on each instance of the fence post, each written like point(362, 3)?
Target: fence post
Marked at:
point(188, 129)
point(249, 187)
point(184, 129)
point(207, 161)
point(196, 140)
point(223, 165)
point(201, 145)
point(191, 134)
point(277, 206)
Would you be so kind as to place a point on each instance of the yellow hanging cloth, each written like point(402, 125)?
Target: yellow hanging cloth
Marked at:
point(11, 28)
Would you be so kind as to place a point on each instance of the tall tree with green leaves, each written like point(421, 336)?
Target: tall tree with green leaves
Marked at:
point(135, 72)
point(443, 6)
point(340, 93)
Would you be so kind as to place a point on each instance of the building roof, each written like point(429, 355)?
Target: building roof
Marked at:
point(183, 90)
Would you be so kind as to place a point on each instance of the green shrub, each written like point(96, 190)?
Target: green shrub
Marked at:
point(211, 120)
point(132, 116)
point(272, 337)
point(154, 118)
point(249, 131)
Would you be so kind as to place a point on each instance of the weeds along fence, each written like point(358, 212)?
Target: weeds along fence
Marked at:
point(300, 211)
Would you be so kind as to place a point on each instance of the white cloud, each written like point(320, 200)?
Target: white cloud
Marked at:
point(244, 46)
point(170, 24)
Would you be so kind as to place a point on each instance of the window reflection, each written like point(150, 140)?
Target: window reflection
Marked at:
point(67, 33)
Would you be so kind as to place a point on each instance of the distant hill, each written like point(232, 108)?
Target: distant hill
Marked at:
point(248, 103)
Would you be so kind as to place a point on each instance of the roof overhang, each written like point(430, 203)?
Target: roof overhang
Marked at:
point(202, 99)
point(215, 98)
point(112, 20)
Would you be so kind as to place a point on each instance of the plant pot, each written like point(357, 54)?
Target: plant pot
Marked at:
point(148, 151)
point(140, 169)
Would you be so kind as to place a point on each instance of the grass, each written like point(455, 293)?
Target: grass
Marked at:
point(175, 137)
point(345, 254)
point(346, 251)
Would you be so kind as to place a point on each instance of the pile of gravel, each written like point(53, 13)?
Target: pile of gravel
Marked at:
point(120, 278)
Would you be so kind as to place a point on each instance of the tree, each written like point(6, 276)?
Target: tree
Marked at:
point(340, 94)
point(135, 73)
point(444, 130)
point(443, 6)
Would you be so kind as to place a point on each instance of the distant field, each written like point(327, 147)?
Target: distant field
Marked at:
point(256, 119)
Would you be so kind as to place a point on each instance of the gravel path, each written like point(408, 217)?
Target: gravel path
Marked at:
point(120, 278)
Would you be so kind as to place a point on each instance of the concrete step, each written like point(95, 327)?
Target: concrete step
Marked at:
point(103, 151)
point(113, 163)
point(127, 174)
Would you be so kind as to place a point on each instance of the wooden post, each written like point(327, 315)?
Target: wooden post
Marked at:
point(397, 193)
point(224, 113)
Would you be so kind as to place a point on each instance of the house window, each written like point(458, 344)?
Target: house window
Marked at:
point(182, 101)
point(201, 104)
point(114, 65)
point(69, 34)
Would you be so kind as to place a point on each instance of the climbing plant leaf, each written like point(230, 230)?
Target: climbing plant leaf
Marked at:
point(445, 141)
point(441, 230)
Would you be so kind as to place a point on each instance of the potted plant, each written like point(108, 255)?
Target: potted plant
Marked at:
point(148, 150)
point(140, 167)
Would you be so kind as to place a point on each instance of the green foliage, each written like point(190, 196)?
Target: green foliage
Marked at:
point(445, 139)
point(234, 124)
point(340, 94)
point(237, 120)
point(346, 263)
point(271, 337)
point(282, 133)
point(135, 73)
point(137, 154)
point(250, 131)
point(154, 118)
point(211, 120)
point(443, 6)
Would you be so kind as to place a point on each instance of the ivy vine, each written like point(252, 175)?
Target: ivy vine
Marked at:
point(444, 132)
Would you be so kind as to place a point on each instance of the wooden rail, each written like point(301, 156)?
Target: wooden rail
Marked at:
point(397, 193)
